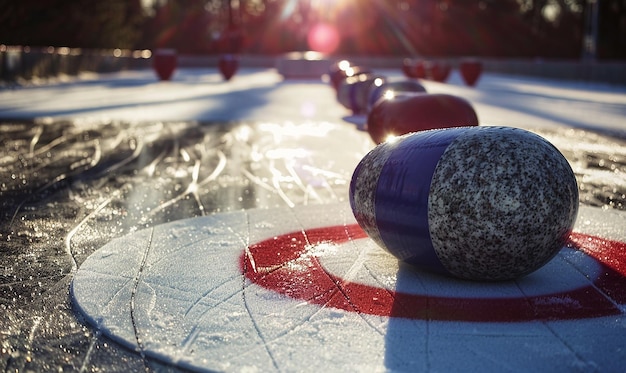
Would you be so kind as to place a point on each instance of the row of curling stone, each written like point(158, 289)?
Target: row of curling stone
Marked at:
point(165, 63)
point(343, 69)
point(476, 203)
point(357, 88)
point(351, 84)
point(394, 108)
point(353, 92)
point(439, 71)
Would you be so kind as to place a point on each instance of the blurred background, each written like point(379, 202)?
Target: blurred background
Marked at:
point(570, 29)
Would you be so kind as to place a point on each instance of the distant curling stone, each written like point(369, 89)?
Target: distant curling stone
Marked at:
point(405, 112)
point(337, 72)
point(380, 88)
point(228, 65)
point(478, 203)
point(339, 75)
point(353, 91)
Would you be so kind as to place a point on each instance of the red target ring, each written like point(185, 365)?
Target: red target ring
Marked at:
point(270, 264)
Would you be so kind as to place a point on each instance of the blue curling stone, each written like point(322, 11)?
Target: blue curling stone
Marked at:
point(478, 203)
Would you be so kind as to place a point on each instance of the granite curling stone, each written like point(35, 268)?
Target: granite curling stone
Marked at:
point(404, 112)
point(477, 203)
point(380, 88)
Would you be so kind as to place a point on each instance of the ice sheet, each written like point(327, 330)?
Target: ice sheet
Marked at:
point(192, 302)
point(192, 94)
point(111, 155)
point(262, 95)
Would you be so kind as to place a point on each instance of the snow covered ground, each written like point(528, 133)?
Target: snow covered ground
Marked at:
point(100, 158)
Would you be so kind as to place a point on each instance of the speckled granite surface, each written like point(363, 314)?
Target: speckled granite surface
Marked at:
point(502, 203)
point(363, 189)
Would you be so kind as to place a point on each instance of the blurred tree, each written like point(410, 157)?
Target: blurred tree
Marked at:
point(557, 26)
point(271, 26)
point(72, 23)
point(499, 28)
point(503, 28)
point(179, 24)
point(612, 29)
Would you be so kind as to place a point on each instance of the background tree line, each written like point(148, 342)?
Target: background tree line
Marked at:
point(496, 28)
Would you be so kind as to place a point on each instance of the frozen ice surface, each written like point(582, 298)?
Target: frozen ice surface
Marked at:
point(71, 188)
point(88, 161)
point(193, 306)
point(192, 94)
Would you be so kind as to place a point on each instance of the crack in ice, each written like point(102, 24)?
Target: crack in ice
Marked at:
point(133, 295)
